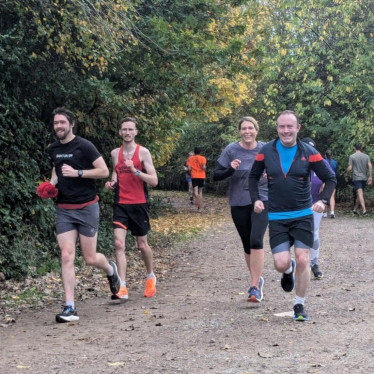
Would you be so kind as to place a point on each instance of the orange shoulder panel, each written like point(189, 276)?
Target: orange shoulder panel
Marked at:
point(315, 158)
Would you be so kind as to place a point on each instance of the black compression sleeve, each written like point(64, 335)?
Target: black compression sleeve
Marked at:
point(221, 173)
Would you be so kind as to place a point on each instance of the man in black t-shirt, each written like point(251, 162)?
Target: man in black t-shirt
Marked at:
point(76, 164)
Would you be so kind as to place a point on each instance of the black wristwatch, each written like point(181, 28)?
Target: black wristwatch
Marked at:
point(80, 173)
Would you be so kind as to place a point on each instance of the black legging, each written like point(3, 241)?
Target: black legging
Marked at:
point(251, 226)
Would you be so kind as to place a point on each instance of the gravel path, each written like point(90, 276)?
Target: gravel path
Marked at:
point(200, 322)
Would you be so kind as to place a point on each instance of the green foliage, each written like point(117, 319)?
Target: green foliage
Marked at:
point(165, 62)
point(318, 58)
point(212, 139)
point(312, 57)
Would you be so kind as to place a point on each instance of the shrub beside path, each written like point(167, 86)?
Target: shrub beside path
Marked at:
point(200, 322)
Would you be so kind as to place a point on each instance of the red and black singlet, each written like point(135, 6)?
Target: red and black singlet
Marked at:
point(130, 188)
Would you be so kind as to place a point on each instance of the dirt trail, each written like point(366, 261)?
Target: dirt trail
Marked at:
point(200, 322)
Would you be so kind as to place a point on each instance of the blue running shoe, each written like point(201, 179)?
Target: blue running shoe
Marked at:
point(288, 280)
point(299, 313)
point(261, 286)
point(254, 295)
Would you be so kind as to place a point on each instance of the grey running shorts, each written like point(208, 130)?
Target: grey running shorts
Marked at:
point(85, 220)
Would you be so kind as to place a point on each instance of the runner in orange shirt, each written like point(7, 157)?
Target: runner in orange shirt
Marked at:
point(197, 165)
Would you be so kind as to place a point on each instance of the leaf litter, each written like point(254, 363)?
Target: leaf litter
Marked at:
point(182, 222)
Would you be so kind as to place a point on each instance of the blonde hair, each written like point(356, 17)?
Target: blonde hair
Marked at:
point(249, 119)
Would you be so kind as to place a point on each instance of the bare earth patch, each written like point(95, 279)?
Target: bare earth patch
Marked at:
point(200, 322)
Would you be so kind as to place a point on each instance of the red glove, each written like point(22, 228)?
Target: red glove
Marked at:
point(47, 190)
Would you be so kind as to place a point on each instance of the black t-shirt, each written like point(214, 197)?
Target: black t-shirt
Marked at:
point(80, 154)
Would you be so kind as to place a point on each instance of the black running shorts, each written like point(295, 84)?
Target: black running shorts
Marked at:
point(289, 230)
point(198, 182)
point(133, 217)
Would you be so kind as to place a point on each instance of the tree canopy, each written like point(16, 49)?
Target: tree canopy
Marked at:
point(167, 63)
point(187, 70)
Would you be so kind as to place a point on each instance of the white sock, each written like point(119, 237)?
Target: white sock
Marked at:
point(299, 300)
point(332, 212)
point(150, 275)
point(111, 271)
point(123, 283)
point(289, 271)
point(70, 303)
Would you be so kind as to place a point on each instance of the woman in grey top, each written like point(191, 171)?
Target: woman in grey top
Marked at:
point(235, 163)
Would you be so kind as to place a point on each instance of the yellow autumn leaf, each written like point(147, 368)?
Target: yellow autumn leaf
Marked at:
point(327, 102)
point(22, 367)
point(34, 55)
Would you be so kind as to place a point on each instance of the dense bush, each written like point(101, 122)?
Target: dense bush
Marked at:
point(160, 61)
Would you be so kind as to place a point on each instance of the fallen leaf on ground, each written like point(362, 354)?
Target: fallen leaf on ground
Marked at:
point(284, 314)
point(116, 363)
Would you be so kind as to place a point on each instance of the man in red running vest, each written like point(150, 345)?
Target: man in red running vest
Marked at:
point(132, 170)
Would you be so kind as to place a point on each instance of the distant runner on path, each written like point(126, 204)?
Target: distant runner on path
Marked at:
point(76, 164)
point(197, 165)
point(316, 190)
point(132, 170)
point(288, 163)
point(334, 167)
point(359, 163)
point(235, 163)
point(188, 178)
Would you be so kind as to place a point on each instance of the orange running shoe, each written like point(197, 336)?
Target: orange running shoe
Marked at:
point(150, 287)
point(122, 294)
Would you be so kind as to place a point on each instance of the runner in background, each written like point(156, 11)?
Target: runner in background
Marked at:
point(197, 165)
point(188, 178)
point(359, 164)
point(334, 167)
point(316, 189)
